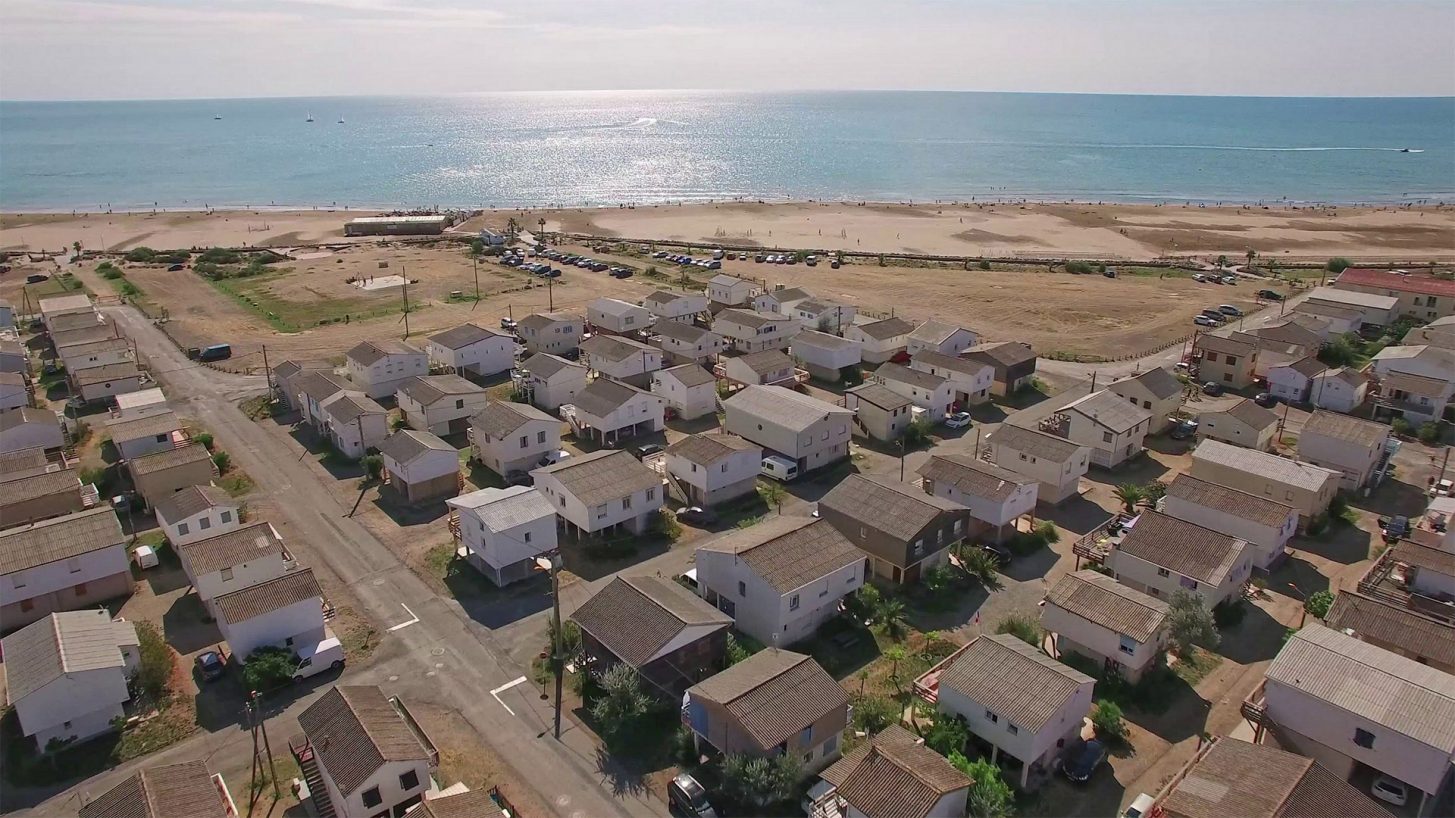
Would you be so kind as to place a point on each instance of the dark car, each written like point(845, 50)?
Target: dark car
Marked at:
point(1270, 295)
point(1212, 388)
point(646, 450)
point(210, 666)
point(36, 278)
point(697, 515)
point(687, 797)
point(1266, 399)
point(175, 268)
point(999, 553)
point(622, 274)
point(1080, 768)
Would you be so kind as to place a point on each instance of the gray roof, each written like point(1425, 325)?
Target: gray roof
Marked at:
point(1001, 354)
point(823, 340)
point(547, 365)
point(1306, 476)
point(321, 385)
point(706, 449)
point(973, 476)
point(346, 406)
point(773, 695)
point(356, 730)
point(23, 460)
point(266, 597)
point(1354, 430)
point(426, 389)
point(167, 791)
point(61, 324)
point(501, 509)
point(1228, 346)
point(1034, 443)
point(93, 346)
point(1161, 383)
point(1012, 679)
point(936, 332)
point(83, 331)
point(122, 430)
point(682, 331)
point(602, 476)
point(1180, 546)
point(914, 377)
point(603, 396)
point(500, 418)
point(879, 395)
point(232, 548)
point(766, 361)
point(635, 617)
point(1400, 694)
point(789, 552)
point(886, 329)
point(472, 804)
point(1375, 620)
point(893, 775)
point(966, 365)
point(1423, 557)
point(407, 444)
point(292, 367)
point(465, 335)
point(541, 320)
point(782, 407)
point(62, 643)
point(1101, 600)
point(369, 352)
point(1210, 495)
point(1109, 409)
point(59, 538)
point(179, 505)
point(613, 306)
point(898, 509)
point(667, 296)
point(614, 348)
point(1308, 367)
point(169, 459)
point(1250, 414)
point(106, 374)
point(689, 375)
point(789, 294)
point(1334, 295)
point(751, 318)
point(725, 280)
point(1236, 778)
point(15, 490)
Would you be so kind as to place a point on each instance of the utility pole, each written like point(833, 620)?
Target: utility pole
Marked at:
point(552, 562)
point(477, 278)
point(901, 459)
point(406, 302)
point(269, 371)
point(263, 728)
point(253, 776)
point(550, 295)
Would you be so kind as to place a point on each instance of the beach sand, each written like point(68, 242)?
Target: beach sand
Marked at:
point(1001, 230)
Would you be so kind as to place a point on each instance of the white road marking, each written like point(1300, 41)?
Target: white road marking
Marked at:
point(508, 685)
point(412, 619)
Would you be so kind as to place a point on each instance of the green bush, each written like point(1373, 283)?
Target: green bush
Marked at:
point(1229, 614)
point(219, 255)
point(1079, 268)
point(373, 465)
point(1337, 265)
point(205, 438)
point(1190, 624)
point(128, 288)
point(990, 794)
point(621, 705)
point(1107, 719)
point(154, 668)
point(947, 734)
point(222, 460)
point(760, 781)
point(1429, 433)
point(665, 525)
point(268, 668)
point(874, 713)
point(985, 264)
point(1023, 627)
point(1401, 427)
point(141, 254)
point(916, 434)
point(1318, 603)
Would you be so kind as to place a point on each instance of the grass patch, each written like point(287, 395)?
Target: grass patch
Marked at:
point(62, 284)
point(358, 635)
point(236, 483)
point(255, 294)
point(1196, 667)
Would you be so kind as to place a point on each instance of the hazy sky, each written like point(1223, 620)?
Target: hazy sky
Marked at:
point(129, 49)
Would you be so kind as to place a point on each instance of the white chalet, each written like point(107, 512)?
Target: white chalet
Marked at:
point(686, 343)
point(616, 316)
point(824, 356)
point(689, 390)
point(996, 497)
point(62, 564)
point(197, 512)
point(679, 308)
point(439, 404)
point(510, 438)
point(554, 333)
point(236, 559)
point(809, 431)
point(731, 290)
point(1056, 463)
point(379, 367)
point(66, 675)
point(621, 358)
point(1265, 524)
point(1095, 616)
point(932, 393)
point(550, 380)
point(283, 612)
point(971, 380)
point(1162, 555)
point(938, 336)
point(602, 492)
point(748, 331)
point(609, 411)
point(780, 299)
point(473, 349)
point(881, 340)
point(502, 531)
point(713, 468)
point(372, 756)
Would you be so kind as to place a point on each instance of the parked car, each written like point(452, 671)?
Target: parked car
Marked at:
point(959, 420)
point(315, 659)
point(997, 552)
point(1085, 762)
point(779, 468)
point(1395, 527)
point(1230, 280)
point(1204, 321)
point(1183, 429)
point(1212, 388)
point(646, 450)
point(1199, 277)
point(210, 665)
point(697, 515)
point(1266, 399)
point(687, 797)
point(1391, 790)
point(1140, 807)
point(1229, 309)
point(1270, 295)
point(506, 323)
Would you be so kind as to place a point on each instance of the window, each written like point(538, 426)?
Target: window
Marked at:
point(181, 529)
point(225, 516)
point(1363, 738)
point(460, 404)
point(524, 441)
point(600, 510)
point(73, 565)
point(372, 797)
point(67, 725)
point(651, 495)
point(694, 468)
point(408, 780)
point(805, 738)
point(527, 536)
point(831, 745)
point(1163, 572)
point(26, 604)
point(18, 579)
point(1023, 457)
point(626, 503)
point(959, 524)
point(540, 437)
point(724, 468)
point(1012, 729)
point(80, 589)
point(1146, 404)
point(161, 438)
point(742, 588)
point(1128, 645)
point(919, 548)
point(227, 575)
point(288, 641)
point(793, 602)
point(1106, 437)
point(204, 523)
point(991, 717)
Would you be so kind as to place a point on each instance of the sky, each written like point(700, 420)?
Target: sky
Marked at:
point(161, 49)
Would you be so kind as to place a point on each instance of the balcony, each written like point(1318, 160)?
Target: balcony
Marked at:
point(1099, 542)
point(927, 686)
point(1254, 709)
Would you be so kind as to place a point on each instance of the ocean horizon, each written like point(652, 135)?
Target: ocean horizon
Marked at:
point(606, 148)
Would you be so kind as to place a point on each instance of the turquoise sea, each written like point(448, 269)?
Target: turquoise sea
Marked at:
point(605, 148)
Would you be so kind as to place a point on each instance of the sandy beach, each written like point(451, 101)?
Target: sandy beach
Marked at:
point(1127, 232)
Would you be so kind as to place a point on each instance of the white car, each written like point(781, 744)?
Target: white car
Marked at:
point(1390, 789)
point(1204, 321)
point(959, 420)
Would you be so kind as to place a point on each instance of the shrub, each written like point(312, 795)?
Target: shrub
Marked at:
point(990, 796)
point(128, 288)
point(141, 254)
point(1048, 532)
point(985, 264)
point(666, 525)
point(222, 460)
point(1107, 719)
point(219, 255)
point(621, 703)
point(205, 438)
point(938, 579)
point(947, 734)
point(268, 668)
point(760, 781)
point(1189, 624)
point(1229, 614)
point(1318, 603)
point(1429, 433)
point(1023, 627)
point(1079, 268)
point(373, 465)
point(874, 713)
point(916, 434)
point(1336, 265)
point(735, 650)
point(1129, 495)
point(154, 666)
point(1401, 427)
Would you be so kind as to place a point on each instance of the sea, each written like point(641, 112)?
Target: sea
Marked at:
point(630, 147)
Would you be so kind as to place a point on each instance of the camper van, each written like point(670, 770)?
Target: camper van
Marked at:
point(779, 468)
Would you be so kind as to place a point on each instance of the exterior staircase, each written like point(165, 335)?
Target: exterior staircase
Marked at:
point(308, 766)
point(568, 413)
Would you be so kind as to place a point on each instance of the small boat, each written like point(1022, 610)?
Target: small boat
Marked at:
point(309, 119)
point(217, 116)
point(340, 120)
point(1404, 150)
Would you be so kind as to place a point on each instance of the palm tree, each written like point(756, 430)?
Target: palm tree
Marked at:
point(895, 655)
point(1251, 254)
point(980, 565)
point(772, 494)
point(892, 618)
point(1130, 494)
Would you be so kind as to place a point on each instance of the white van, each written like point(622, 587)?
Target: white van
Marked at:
point(717, 254)
point(779, 468)
point(315, 659)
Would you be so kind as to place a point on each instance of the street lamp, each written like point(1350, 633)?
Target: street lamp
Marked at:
point(551, 562)
point(1303, 609)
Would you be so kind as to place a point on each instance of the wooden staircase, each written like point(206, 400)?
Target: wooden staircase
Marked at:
point(308, 766)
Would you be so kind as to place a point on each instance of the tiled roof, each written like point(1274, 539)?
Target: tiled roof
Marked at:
point(169, 459)
point(62, 324)
point(972, 476)
point(782, 407)
point(168, 791)
point(1034, 443)
point(615, 349)
point(879, 395)
point(1109, 409)
point(1161, 383)
point(93, 347)
point(898, 509)
point(407, 444)
point(506, 508)
point(501, 418)
point(13, 418)
point(602, 476)
point(1308, 367)
point(823, 340)
point(789, 294)
point(544, 366)
point(913, 377)
point(1290, 332)
point(894, 776)
point(635, 617)
point(59, 538)
point(1227, 346)
point(603, 396)
point(1227, 500)
point(1180, 546)
point(1251, 414)
point(232, 548)
point(266, 597)
point(1415, 384)
point(1251, 461)
point(181, 504)
point(789, 552)
point(60, 644)
point(105, 374)
point(886, 329)
point(465, 335)
point(1397, 281)
point(774, 694)
point(21, 489)
point(23, 460)
point(767, 362)
point(123, 430)
point(66, 303)
point(82, 332)
point(368, 353)
point(725, 280)
point(689, 375)
point(706, 449)
point(356, 730)
point(1376, 620)
point(1400, 694)
point(682, 331)
point(1236, 778)
point(1424, 557)
point(472, 804)
point(321, 385)
point(751, 318)
point(1343, 427)
point(1099, 599)
point(1012, 679)
point(1335, 295)
point(426, 389)
point(935, 332)
point(346, 406)
point(663, 297)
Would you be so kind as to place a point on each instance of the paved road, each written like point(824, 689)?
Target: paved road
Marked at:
point(444, 656)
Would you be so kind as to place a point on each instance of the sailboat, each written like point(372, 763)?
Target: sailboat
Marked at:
point(217, 116)
point(309, 119)
point(340, 120)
